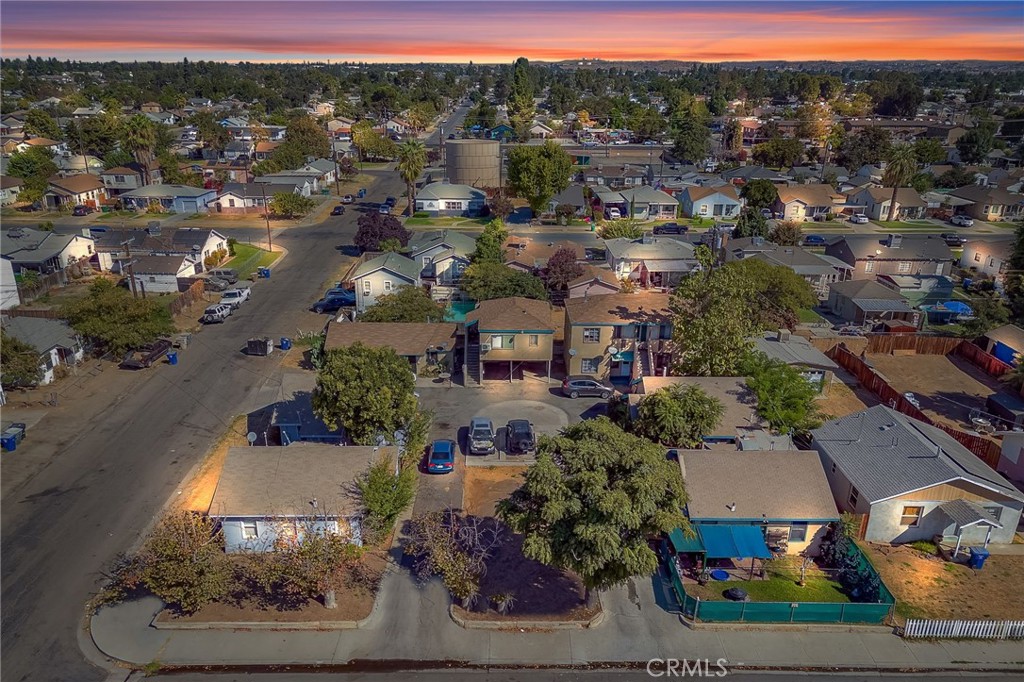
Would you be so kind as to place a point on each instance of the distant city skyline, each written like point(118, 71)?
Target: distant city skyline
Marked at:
point(498, 32)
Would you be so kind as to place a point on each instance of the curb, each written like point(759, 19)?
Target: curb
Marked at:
point(527, 624)
point(787, 627)
point(259, 625)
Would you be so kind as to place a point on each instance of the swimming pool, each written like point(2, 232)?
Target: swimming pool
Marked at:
point(457, 310)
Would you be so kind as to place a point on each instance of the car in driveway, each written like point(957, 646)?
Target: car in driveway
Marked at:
point(216, 313)
point(384, 209)
point(962, 221)
point(441, 456)
point(333, 302)
point(216, 284)
point(814, 240)
point(953, 239)
point(338, 210)
point(82, 210)
point(347, 199)
point(670, 228)
point(391, 201)
point(521, 438)
point(859, 219)
point(580, 385)
point(480, 440)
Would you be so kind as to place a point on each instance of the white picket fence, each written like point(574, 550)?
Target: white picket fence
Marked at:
point(964, 629)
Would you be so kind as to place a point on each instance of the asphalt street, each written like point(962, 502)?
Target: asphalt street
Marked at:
point(448, 127)
point(65, 523)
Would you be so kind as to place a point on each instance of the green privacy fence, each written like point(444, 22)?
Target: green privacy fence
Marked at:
point(779, 612)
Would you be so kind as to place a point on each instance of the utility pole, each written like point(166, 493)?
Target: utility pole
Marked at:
point(131, 270)
point(337, 174)
point(266, 214)
point(828, 148)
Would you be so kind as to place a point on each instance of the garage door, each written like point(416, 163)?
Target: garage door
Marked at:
point(190, 206)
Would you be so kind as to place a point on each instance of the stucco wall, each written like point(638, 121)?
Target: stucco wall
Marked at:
point(378, 287)
point(269, 529)
point(521, 350)
point(884, 523)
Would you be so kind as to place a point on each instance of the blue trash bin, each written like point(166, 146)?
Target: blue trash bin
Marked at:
point(266, 273)
point(172, 358)
point(286, 343)
point(978, 556)
point(9, 443)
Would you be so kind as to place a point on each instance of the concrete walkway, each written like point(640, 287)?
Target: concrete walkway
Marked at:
point(410, 623)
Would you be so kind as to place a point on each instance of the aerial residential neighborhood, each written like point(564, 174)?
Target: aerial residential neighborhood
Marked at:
point(405, 354)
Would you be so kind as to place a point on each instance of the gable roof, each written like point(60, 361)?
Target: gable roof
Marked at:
point(644, 308)
point(168, 191)
point(157, 265)
point(28, 245)
point(462, 244)
point(41, 142)
point(405, 338)
point(76, 184)
point(392, 262)
point(885, 454)
point(698, 193)
point(796, 351)
point(535, 254)
point(439, 191)
point(1009, 335)
point(996, 196)
point(40, 333)
point(655, 248)
point(572, 195)
point(10, 182)
point(809, 195)
point(865, 289)
point(512, 314)
point(778, 484)
point(257, 190)
point(907, 197)
point(594, 274)
point(645, 194)
point(912, 247)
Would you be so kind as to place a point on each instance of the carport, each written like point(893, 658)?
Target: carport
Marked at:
point(725, 541)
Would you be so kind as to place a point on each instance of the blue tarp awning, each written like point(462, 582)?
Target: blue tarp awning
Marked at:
point(733, 542)
point(683, 544)
point(958, 307)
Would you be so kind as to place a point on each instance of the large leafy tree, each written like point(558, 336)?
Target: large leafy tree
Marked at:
point(138, 136)
point(929, 150)
point(955, 177)
point(691, 139)
point(898, 172)
point(1014, 277)
point(490, 244)
point(41, 124)
point(976, 143)
point(778, 291)
point(306, 135)
point(715, 314)
point(19, 362)
point(759, 193)
point(115, 321)
point(290, 204)
point(868, 146)
point(786, 233)
point(520, 99)
point(592, 502)
point(406, 304)
point(538, 173)
point(678, 416)
point(35, 166)
point(779, 152)
point(751, 223)
point(412, 159)
point(367, 391)
point(785, 399)
point(385, 493)
point(562, 267)
point(375, 228)
point(896, 93)
point(989, 313)
point(486, 281)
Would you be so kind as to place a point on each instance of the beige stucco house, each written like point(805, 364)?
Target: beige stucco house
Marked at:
point(507, 337)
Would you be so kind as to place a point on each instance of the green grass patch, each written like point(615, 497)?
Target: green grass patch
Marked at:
point(899, 225)
point(808, 316)
point(926, 547)
point(775, 589)
point(374, 165)
point(248, 258)
point(1005, 225)
point(117, 215)
point(447, 221)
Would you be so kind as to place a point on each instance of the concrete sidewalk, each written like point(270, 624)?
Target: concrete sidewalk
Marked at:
point(410, 622)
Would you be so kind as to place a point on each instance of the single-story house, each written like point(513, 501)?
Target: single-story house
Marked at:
point(239, 197)
point(531, 256)
point(154, 241)
point(324, 169)
point(161, 117)
point(991, 203)
point(1006, 343)
point(238, 149)
point(10, 187)
point(540, 130)
point(423, 344)
point(876, 201)
point(383, 275)
point(308, 183)
point(783, 493)
point(501, 131)
point(74, 190)
point(710, 202)
point(618, 336)
point(594, 281)
point(264, 149)
point(650, 261)
point(272, 496)
point(896, 254)
point(861, 301)
point(986, 258)
point(806, 202)
point(647, 203)
point(914, 481)
point(54, 340)
point(443, 199)
point(159, 274)
point(504, 334)
point(808, 173)
point(573, 195)
point(54, 147)
point(177, 198)
point(444, 255)
point(796, 351)
point(615, 176)
point(45, 252)
point(818, 270)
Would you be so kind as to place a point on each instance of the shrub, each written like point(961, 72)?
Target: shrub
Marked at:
point(231, 245)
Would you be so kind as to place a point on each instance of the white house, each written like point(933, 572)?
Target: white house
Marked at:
point(876, 202)
point(10, 187)
point(236, 197)
point(273, 496)
point(9, 296)
point(444, 255)
point(710, 202)
point(159, 274)
point(307, 183)
point(443, 199)
point(323, 169)
point(54, 146)
point(986, 258)
point(74, 190)
point(650, 261)
point(55, 341)
point(647, 203)
point(45, 252)
point(383, 275)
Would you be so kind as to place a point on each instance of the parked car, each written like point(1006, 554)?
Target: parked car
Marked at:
point(648, 143)
point(391, 201)
point(216, 284)
point(962, 221)
point(953, 239)
point(859, 219)
point(767, 214)
point(235, 297)
point(216, 313)
point(81, 210)
point(814, 240)
point(620, 142)
point(612, 213)
point(480, 440)
point(227, 274)
point(521, 438)
point(578, 385)
point(334, 302)
point(670, 228)
point(338, 210)
point(384, 209)
point(441, 457)
point(348, 199)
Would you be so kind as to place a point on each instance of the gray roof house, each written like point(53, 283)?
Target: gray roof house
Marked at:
point(177, 198)
point(798, 352)
point(861, 301)
point(443, 255)
point(914, 481)
point(648, 203)
point(574, 196)
point(46, 252)
point(442, 198)
point(820, 271)
point(896, 254)
point(54, 340)
point(651, 261)
point(383, 275)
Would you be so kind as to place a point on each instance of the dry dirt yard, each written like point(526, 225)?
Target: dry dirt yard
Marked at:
point(947, 387)
point(483, 487)
point(842, 400)
point(926, 586)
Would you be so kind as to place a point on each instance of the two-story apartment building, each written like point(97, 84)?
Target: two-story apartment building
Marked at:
point(121, 179)
point(896, 254)
point(618, 336)
point(507, 337)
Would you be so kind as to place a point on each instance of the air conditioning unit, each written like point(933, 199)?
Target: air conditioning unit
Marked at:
point(484, 347)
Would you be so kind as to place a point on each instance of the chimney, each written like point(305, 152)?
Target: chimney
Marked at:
point(783, 335)
point(894, 241)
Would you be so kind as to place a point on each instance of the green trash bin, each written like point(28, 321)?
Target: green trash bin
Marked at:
point(104, 209)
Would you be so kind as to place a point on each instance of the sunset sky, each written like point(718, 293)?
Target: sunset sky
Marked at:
point(499, 31)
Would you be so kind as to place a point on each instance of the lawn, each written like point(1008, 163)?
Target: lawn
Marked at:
point(808, 316)
point(775, 589)
point(248, 258)
point(447, 221)
point(1005, 225)
point(119, 215)
point(899, 225)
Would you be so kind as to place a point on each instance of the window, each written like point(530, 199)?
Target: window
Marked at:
point(249, 530)
point(704, 209)
point(388, 285)
point(453, 205)
point(591, 335)
point(503, 341)
point(798, 531)
point(991, 261)
point(986, 209)
point(977, 257)
point(588, 366)
point(911, 516)
point(869, 266)
point(118, 178)
point(231, 203)
point(854, 496)
point(995, 510)
point(534, 340)
point(903, 266)
point(426, 261)
point(152, 278)
point(366, 287)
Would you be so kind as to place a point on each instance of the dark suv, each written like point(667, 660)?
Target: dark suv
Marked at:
point(521, 438)
point(575, 386)
point(670, 228)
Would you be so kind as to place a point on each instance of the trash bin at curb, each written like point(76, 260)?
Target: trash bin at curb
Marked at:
point(286, 343)
point(172, 357)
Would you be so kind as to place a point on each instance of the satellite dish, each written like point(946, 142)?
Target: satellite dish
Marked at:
point(251, 437)
point(572, 352)
point(612, 350)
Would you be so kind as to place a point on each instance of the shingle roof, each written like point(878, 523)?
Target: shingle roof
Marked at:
point(461, 243)
point(912, 247)
point(811, 195)
point(9, 182)
point(592, 273)
point(795, 351)
point(393, 262)
point(440, 191)
point(648, 307)
point(405, 338)
point(512, 314)
point(645, 194)
point(656, 248)
point(76, 184)
point(779, 484)
point(40, 333)
point(157, 265)
point(168, 191)
point(27, 245)
point(907, 197)
point(865, 288)
point(885, 454)
point(739, 401)
point(254, 190)
point(1009, 335)
point(697, 193)
point(988, 195)
point(283, 480)
point(965, 513)
point(572, 195)
point(535, 254)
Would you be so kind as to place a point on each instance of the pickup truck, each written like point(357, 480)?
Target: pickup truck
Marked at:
point(146, 355)
point(216, 313)
point(235, 297)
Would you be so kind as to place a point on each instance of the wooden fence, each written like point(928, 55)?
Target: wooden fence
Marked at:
point(916, 343)
point(985, 449)
point(188, 298)
point(964, 629)
point(22, 312)
point(987, 363)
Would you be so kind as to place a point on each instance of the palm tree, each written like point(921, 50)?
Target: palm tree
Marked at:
point(139, 138)
point(898, 173)
point(412, 159)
